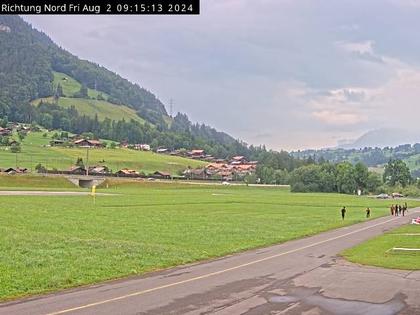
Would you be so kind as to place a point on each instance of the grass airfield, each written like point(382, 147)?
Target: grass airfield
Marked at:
point(54, 242)
point(379, 251)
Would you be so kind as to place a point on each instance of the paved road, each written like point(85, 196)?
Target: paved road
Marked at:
point(298, 277)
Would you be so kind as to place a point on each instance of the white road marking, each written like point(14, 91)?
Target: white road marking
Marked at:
point(407, 249)
point(218, 272)
point(407, 234)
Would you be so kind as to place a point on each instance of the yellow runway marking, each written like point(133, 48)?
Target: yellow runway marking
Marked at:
point(216, 272)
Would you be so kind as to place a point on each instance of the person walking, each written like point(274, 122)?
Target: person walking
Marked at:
point(404, 209)
point(392, 210)
point(399, 210)
point(367, 213)
point(343, 213)
point(396, 211)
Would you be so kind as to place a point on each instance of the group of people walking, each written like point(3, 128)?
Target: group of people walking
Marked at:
point(344, 210)
point(398, 210)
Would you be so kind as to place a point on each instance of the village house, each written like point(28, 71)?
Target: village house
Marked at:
point(237, 160)
point(162, 175)
point(198, 173)
point(196, 154)
point(127, 172)
point(17, 170)
point(98, 170)
point(237, 168)
point(209, 158)
point(124, 144)
point(179, 152)
point(142, 147)
point(4, 132)
point(226, 175)
point(216, 166)
point(56, 142)
point(162, 151)
point(86, 143)
point(77, 170)
point(13, 143)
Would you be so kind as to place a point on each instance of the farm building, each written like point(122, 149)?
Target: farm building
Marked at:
point(142, 147)
point(56, 142)
point(5, 131)
point(13, 170)
point(196, 154)
point(77, 170)
point(162, 151)
point(239, 159)
point(163, 175)
point(98, 170)
point(85, 143)
point(124, 144)
point(198, 173)
point(127, 172)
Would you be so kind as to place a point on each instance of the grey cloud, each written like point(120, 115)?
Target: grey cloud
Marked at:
point(256, 68)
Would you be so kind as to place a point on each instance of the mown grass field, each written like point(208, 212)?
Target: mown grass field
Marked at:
point(35, 150)
point(376, 252)
point(91, 107)
point(71, 86)
point(50, 243)
point(88, 107)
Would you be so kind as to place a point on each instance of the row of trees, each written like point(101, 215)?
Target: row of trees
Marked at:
point(342, 177)
point(327, 177)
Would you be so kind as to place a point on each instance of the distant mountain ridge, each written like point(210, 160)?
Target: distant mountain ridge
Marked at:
point(385, 137)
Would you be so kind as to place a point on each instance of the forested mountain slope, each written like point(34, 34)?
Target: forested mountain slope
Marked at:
point(29, 63)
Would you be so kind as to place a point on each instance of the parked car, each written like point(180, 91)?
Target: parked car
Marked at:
point(397, 195)
point(382, 196)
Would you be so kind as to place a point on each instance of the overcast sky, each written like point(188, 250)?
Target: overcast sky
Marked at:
point(290, 74)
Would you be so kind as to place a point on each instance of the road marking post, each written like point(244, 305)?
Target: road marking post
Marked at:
point(93, 194)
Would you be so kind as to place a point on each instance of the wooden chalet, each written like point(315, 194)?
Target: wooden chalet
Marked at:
point(77, 170)
point(86, 143)
point(127, 173)
point(163, 175)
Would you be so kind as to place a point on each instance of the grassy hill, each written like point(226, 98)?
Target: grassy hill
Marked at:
point(88, 106)
point(35, 150)
point(91, 107)
point(71, 86)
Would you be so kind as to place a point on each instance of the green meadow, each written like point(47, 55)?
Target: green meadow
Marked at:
point(54, 242)
point(92, 107)
point(88, 106)
point(378, 251)
point(71, 86)
point(35, 150)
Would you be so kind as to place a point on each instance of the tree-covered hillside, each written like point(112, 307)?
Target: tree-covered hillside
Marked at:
point(28, 57)
point(28, 61)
